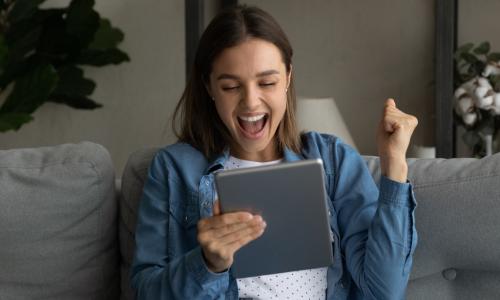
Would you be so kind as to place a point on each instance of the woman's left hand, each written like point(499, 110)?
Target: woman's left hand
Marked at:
point(393, 137)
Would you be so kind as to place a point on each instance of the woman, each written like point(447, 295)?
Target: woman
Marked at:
point(238, 110)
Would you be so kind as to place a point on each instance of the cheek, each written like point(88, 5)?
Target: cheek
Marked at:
point(224, 111)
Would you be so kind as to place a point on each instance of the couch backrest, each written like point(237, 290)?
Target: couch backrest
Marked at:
point(58, 221)
point(457, 218)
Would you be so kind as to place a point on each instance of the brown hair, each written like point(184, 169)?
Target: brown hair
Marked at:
point(200, 124)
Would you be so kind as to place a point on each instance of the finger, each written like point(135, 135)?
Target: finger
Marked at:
point(237, 244)
point(390, 102)
point(223, 220)
point(226, 230)
point(240, 234)
point(216, 207)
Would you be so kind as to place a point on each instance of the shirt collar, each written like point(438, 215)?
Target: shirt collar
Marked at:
point(220, 161)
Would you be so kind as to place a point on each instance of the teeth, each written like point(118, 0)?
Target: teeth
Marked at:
point(252, 119)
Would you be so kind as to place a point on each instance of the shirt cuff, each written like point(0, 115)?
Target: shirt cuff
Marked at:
point(394, 192)
point(197, 266)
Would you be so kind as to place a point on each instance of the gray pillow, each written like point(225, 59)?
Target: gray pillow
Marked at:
point(58, 223)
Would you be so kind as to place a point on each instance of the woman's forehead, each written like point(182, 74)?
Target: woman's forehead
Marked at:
point(249, 58)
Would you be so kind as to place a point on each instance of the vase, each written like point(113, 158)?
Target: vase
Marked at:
point(488, 144)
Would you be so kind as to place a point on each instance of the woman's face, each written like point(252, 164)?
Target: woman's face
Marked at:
point(248, 84)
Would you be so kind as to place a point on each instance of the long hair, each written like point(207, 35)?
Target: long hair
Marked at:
point(196, 115)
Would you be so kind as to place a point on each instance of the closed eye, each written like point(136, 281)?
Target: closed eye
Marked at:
point(230, 88)
point(266, 84)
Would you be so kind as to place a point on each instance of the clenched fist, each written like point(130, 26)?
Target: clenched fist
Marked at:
point(393, 137)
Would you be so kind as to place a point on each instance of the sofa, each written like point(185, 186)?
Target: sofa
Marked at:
point(67, 225)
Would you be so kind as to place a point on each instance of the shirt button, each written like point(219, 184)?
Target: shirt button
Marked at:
point(329, 213)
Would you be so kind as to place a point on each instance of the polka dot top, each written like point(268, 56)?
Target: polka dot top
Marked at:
point(304, 284)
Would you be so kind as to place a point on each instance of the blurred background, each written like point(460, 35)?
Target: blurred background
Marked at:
point(357, 52)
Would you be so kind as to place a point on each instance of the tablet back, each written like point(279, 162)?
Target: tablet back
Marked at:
point(291, 199)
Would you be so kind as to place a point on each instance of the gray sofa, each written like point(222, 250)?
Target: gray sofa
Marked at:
point(66, 232)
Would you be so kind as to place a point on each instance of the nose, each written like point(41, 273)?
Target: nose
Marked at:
point(250, 98)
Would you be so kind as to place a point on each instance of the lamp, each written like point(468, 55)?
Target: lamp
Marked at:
point(322, 115)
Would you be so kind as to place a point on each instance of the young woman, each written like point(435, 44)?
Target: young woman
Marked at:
point(238, 110)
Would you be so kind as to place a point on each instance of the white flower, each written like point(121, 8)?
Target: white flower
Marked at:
point(491, 68)
point(480, 92)
point(469, 118)
point(459, 92)
point(483, 82)
point(464, 105)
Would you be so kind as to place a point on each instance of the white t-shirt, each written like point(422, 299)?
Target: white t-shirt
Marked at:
point(304, 284)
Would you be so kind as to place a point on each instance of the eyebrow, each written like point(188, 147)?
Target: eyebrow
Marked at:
point(261, 74)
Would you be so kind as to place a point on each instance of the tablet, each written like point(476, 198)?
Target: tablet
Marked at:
point(291, 198)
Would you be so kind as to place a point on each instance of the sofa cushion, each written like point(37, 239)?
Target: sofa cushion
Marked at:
point(458, 223)
point(134, 174)
point(58, 223)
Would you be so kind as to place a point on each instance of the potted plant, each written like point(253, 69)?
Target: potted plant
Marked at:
point(41, 54)
point(477, 95)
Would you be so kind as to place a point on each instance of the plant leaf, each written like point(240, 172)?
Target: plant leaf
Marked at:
point(471, 138)
point(23, 9)
point(82, 21)
point(13, 121)
point(494, 56)
point(470, 58)
point(106, 37)
point(483, 48)
point(102, 57)
point(72, 82)
point(75, 101)
point(55, 42)
point(465, 48)
point(31, 90)
point(3, 53)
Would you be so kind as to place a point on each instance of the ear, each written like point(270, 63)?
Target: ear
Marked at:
point(289, 77)
point(207, 87)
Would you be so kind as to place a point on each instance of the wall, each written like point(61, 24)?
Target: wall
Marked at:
point(361, 52)
point(138, 97)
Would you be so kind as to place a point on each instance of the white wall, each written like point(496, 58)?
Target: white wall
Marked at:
point(361, 52)
point(138, 96)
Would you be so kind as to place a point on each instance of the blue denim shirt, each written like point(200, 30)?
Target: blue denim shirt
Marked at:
point(374, 232)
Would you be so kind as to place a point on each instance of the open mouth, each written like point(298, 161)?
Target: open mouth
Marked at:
point(252, 126)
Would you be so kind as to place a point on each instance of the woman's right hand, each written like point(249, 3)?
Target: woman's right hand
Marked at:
point(221, 235)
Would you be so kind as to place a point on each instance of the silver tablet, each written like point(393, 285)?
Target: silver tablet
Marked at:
point(291, 198)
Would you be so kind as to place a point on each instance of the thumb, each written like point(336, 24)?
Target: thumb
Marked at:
point(216, 207)
point(390, 102)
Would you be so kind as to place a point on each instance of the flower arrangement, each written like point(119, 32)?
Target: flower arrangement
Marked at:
point(477, 95)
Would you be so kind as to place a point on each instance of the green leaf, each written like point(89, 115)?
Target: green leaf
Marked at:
point(23, 9)
point(13, 121)
point(471, 138)
point(31, 90)
point(106, 36)
point(470, 58)
point(465, 48)
point(3, 53)
point(483, 48)
point(75, 101)
point(102, 57)
point(82, 21)
point(55, 42)
point(72, 82)
point(23, 43)
point(494, 56)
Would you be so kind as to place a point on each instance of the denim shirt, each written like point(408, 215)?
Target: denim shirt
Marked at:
point(374, 231)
